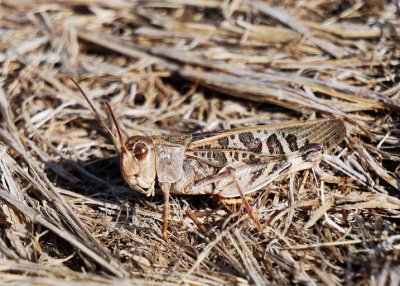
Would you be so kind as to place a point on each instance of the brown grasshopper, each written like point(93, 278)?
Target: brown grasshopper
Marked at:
point(228, 163)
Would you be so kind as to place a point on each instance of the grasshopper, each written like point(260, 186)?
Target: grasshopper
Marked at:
point(229, 163)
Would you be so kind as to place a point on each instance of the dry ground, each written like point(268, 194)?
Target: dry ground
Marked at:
point(177, 66)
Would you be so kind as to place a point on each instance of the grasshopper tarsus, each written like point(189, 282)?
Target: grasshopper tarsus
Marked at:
point(200, 226)
point(165, 236)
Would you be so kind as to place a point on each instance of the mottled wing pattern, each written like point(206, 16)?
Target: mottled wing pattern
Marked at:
point(256, 176)
point(256, 144)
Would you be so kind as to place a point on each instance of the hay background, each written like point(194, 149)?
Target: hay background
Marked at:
point(177, 66)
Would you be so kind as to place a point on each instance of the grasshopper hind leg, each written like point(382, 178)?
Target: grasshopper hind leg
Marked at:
point(246, 204)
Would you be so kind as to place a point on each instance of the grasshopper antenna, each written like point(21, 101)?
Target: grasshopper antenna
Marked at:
point(103, 122)
point(120, 138)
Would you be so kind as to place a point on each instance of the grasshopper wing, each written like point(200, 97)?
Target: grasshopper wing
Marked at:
point(253, 145)
point(256, 176)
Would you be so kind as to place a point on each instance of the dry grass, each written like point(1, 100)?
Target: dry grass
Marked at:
point(177, 66)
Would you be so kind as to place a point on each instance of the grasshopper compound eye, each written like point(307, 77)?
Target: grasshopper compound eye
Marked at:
point(140, 150)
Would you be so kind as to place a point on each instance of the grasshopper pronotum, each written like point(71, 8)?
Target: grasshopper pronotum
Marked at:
point(230, 163)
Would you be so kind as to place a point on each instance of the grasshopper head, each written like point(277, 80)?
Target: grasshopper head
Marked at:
point(138, 163)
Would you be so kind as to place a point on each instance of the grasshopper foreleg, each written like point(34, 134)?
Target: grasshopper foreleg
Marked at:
point(166, 188)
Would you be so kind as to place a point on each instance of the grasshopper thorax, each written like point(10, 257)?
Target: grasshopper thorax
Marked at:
point(138, 165)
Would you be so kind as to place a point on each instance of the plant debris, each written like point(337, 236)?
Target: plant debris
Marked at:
point(181, 66)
